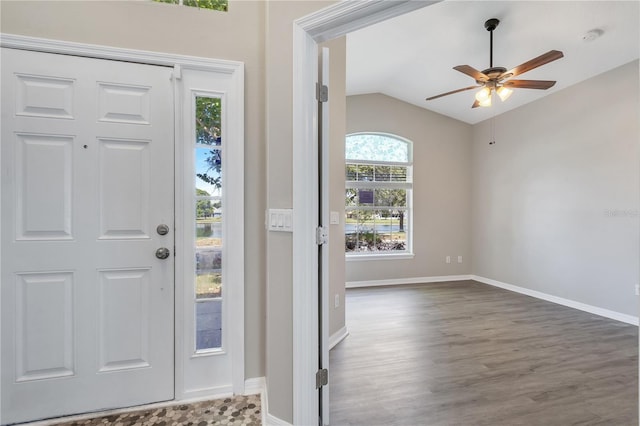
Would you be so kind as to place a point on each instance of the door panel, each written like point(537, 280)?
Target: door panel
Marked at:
point(87, 175)
point(323, 289)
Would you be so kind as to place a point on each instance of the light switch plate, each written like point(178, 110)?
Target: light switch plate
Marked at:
point(280, 220)
point(334, 218)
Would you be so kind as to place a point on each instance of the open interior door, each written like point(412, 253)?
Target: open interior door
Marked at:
point(323, 221)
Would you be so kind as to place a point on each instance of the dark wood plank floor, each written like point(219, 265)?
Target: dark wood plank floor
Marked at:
point(465, 353)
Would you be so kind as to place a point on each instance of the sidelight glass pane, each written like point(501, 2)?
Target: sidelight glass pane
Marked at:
point(208, 268)
point(208, 324)
point(208, 172)
point(208, 121)
point(208, 286)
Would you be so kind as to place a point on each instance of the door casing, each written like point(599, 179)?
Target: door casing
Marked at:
point(233, 73)
point(325, 24)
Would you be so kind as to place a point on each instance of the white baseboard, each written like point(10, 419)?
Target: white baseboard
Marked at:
point(267, 419)
point(274, 421)
point(338, 337)
point(254, 386)
point(629, 319)
point(403, 281)
point(258, 385)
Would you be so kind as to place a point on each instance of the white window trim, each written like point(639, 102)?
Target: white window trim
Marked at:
point(234, 73)
point(366, 256)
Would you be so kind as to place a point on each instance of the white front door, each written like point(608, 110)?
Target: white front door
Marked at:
point(87, 177)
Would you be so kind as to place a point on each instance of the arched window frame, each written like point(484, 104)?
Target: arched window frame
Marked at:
point(365, 222)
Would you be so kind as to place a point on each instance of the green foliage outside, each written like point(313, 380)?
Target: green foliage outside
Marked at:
point(204, 208)
point(221, 5)
point(209, 132)
point(208, 285)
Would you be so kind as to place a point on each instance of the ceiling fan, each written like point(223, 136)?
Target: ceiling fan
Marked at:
point(498, 79)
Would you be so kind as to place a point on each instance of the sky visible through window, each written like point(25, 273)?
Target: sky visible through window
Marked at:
point(372, 147)
point(203, 167)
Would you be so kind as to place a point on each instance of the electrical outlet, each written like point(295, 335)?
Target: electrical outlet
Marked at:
point(459, 259)
point(336, 302)
point(637, 289)
point(447, 259)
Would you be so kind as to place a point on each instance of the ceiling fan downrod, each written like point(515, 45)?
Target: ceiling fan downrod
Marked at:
point(491, 25)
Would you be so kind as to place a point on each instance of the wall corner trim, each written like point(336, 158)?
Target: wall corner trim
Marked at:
point(338, 337)
point(404, 281)
point(629, 319)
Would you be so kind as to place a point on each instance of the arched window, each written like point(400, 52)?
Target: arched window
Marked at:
point(378, 194)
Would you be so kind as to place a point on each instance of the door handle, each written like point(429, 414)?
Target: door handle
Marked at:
point(162, 253)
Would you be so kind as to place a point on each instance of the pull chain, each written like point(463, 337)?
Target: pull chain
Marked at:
point(492, 139)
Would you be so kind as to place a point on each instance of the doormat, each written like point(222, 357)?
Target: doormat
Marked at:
point(237, 411)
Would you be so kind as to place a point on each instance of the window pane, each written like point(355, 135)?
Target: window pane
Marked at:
point(400, 231)
point(221, 5)
point(398, 174)
point(350, 230)
point(208, 272)
point(351, 172)
point(365, 197)
point(209, 324)
point(365, 173)
point(208, 119)
point(391, 197)
point(208, 172)
point(372, 147)
point(351, 197)
point(382, 173)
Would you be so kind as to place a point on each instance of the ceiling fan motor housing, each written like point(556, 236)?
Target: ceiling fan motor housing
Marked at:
point(491, 24)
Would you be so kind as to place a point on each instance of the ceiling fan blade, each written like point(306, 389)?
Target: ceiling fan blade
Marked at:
point(471, 72)
point(452, 92)
point(476, 104)
point(545, 58)
point(529, 84)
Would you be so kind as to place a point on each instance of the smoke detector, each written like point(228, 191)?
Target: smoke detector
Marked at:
point(592, 34)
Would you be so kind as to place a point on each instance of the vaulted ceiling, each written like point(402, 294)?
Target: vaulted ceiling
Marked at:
point(411, 57)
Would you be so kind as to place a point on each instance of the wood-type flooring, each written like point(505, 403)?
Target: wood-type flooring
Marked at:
point(465, 353)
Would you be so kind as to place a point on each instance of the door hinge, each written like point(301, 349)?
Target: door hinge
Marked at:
point(322, 235)
point(322, 378)
point(322, 92)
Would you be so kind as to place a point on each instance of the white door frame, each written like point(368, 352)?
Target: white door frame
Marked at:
point(234, 176)
point(331, 22)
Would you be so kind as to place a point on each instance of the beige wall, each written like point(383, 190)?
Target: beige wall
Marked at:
point(236, 35)
point(441, 187)
point(542, 195)
point(279, 76)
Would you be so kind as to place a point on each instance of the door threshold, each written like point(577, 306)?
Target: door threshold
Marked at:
point(189, 411)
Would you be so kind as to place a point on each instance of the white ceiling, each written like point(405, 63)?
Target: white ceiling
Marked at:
point(411, 57)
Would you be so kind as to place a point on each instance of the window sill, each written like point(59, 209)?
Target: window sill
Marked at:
point(365, 257)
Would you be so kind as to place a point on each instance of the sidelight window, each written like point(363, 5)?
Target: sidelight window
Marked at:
point(208, 210)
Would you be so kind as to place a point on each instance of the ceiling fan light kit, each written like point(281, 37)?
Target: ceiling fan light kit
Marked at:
point(498, 79)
